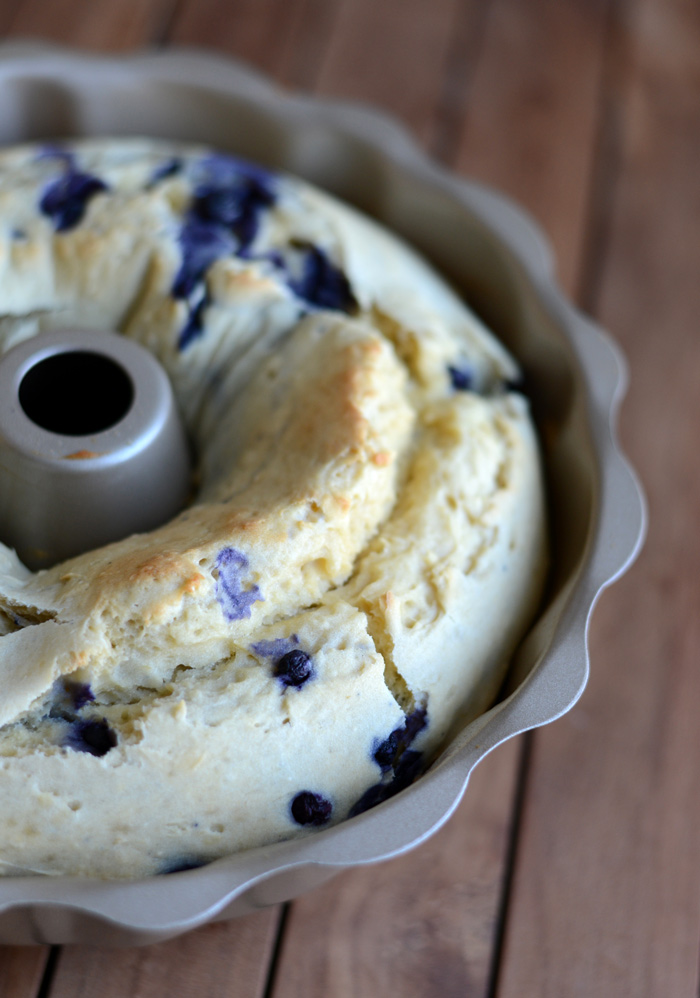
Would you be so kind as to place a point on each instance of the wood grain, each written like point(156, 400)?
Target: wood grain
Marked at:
point(224, 960)
point(388, 54)
point(284, 38)
point(21, 970)
point(530, 127)
point(420, 925)
point(102, 25)
point(607, 886)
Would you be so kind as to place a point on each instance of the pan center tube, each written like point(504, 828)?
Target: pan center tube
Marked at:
point(92, 448)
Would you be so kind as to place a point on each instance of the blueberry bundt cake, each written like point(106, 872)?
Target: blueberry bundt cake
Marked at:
point(363, 550)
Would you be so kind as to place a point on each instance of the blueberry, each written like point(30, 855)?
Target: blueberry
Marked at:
point(294, 668)
point(414, 723)
point(69, 696)
point(461, 377)
point(79, 693)
point(169, 168)
point(217, 204)
point(64, 200)
point(221, 169)
point(321, 282)
point(310, 809)
point(194, 327)
point(234, 600)
point(394, 757)
point(246, 228)
point(388, 753)
point(223, 217)
point(237, 206)
point(202, 243)
point(407, 770)
point(181, 865)
point(385, 753)
point(370, 798)
point(516, 384)
point(95, 737)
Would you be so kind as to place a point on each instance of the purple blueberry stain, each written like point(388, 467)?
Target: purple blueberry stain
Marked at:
point(236, 205)
point(169, 168)
point(223, 217)
point(276, 648)
point(462, 377)
point(65, 199)
point(194, 327)
point(308, 808)
point(202, 243)
point(69, 697)
point(320, 282)
point(93, 736)
point(217, 204)
point(235, 601)
point(182, 864)
point(79, 693)
point(222, 170)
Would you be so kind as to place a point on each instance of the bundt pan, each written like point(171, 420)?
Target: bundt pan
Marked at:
point(574, 377)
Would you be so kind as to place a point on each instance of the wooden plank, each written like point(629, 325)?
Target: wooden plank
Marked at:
point(530, 125)
point(607, 886)
point(21, 970)
point(392, 55)
point(222, 960)
point(8, 11)
point(284, 38)
point(420, 925)
point(101, 24)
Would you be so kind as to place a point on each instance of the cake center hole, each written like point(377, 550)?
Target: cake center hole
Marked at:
point(76, 393)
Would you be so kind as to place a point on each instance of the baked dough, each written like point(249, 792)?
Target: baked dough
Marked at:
point(364, 550)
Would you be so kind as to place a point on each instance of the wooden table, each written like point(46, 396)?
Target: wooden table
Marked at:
point(573, 865)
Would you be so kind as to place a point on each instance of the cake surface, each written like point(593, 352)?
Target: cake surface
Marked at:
point(366, 544)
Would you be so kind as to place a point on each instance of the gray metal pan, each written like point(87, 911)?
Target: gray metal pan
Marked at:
point(575, 377)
